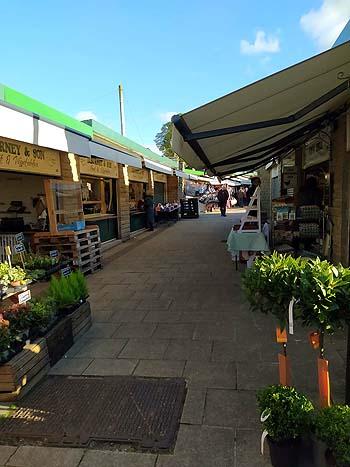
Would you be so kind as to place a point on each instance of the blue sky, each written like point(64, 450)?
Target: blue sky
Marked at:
point(171, 56)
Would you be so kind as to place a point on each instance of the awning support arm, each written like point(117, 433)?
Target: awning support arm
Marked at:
point(190, 137)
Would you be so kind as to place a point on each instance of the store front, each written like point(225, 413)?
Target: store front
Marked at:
point(138, 185)
point(23, 169)
point(160, 188)
point(99, 193)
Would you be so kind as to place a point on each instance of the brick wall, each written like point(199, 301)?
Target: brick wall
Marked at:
point(173, 189)
point(340, 179)
point(123, 206)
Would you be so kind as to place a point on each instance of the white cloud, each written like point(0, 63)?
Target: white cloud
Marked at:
point(153, 147)
point(165, 117)
point(326, 23)
point(263, 44)
point(86, 115)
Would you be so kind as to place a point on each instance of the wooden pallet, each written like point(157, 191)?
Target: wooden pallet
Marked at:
point(82, 248)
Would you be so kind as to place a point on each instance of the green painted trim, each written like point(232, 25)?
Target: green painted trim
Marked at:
point(104, 131)
point(55, 116)
point(2, 92)
point(200, 173)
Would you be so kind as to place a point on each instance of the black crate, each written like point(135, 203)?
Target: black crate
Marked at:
point(189, 208)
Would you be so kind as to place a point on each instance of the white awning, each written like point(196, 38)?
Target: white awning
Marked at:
point(106, 152)
point(23, 127)
point(158, 167)
point(249, 127)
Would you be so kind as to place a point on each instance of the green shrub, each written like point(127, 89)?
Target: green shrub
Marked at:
point(332, 426)
point(289, 412)
point(270, 284)
point(68, 291)
point(42, 312)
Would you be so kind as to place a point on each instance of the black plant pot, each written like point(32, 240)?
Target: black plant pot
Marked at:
point(284, 453)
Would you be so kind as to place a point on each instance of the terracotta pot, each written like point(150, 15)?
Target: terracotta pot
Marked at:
point(284, 453)
point(15, 283)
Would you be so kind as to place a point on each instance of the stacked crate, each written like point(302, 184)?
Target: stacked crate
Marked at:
point(82, 248)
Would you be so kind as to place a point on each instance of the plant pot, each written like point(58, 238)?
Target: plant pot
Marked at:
point(284, 453)
point(15, 283)
point(330, 460)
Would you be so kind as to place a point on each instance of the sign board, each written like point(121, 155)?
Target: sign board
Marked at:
point(19, 248)
point(157, 177)
point(66, 271)
point(19, 237)
point(137, 175)
point(54, 253)
point(22, 157)
point(98, 167)
point(24, 297)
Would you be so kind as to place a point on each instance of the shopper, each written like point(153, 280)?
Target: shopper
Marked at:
point(149, 208)
point(241, 195)
point(222, 198)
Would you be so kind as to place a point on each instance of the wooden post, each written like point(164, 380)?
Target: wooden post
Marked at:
point(50, 206)
point(323, 382)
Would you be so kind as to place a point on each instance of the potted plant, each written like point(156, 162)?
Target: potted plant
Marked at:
point(16, 276)
point(42, 315)
point(286, 417)
point(68, 292)
point(332, 427)
point(271, 283)
point(5, 340)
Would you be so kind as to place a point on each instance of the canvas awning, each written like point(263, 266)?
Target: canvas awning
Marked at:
point(106, 152)
point(244, 130)
point(157, 167)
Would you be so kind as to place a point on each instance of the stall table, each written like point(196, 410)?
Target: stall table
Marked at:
point(245, 241)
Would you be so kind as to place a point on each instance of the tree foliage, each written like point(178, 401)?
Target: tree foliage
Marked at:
point(163, 141)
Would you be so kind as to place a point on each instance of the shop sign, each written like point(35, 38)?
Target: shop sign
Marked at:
point(98, 167)
point(138, 175)
point(24, 297)
point(66, 271)
point(22, 157)
point(19, 248)
point(53, 254)
point(157, 177)
point(19, 237)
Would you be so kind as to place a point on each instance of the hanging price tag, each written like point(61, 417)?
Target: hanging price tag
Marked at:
point(19, 248)
point(290, 316)
point(54, 253)
point(24, 297)
point(66, 271)
point(19, 237)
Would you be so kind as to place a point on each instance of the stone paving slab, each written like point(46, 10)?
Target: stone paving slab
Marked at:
point(173, 331)
point(99, 348)
point(248, 450)
point(101, 330)
point(160, 368)
point(135, 330)
point(117, 459)
point(146, 349)
point(194, 406)
point(256, 375)
point(110, 367)
point(186, 349)
point(6, 452)
point(215, 331)
point(70, 366)
point(163, 316)
point(201, 446)
point(210, 374)
point(128, 316)
point(34, 456)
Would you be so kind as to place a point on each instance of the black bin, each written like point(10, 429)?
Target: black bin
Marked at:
point(189, 208)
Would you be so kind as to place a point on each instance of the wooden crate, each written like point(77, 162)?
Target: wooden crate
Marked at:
point(24, 370)
point(82, 248)
point(81, 320)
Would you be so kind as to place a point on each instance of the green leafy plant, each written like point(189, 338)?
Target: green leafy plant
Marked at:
point(34, 261)
point(18, 317)
point(323, 291)
point(288, 412)
point(332, 426)
point(10, 274)
point(42, 312)
point(68, 291)
point(270, 284)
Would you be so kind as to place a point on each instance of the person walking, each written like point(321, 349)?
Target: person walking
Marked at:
point(149, 209)
point(222, 198)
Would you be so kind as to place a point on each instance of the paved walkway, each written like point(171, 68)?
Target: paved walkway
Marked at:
point(172, 306)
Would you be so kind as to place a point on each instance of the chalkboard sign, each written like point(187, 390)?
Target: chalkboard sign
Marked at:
point(19, 237)
point(19, 248)
point(66, 271)
point(54, 253)
point(23, 297)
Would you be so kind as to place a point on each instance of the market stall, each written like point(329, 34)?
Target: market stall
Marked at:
point(138, 183)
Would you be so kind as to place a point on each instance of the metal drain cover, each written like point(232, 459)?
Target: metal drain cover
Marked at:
point(73, 411)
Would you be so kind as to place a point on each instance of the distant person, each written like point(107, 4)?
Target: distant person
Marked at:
point(241, 195)
point(222, 198)
point(149, 209)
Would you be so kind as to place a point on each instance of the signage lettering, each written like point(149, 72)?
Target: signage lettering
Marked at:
point(54, 253)
point(24, 297)
point(99, 167)
point(66, 271)
point(20, 248)
point(19, 237)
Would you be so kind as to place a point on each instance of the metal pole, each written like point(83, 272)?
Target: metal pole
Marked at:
point(121, 110)
point(347, 378)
